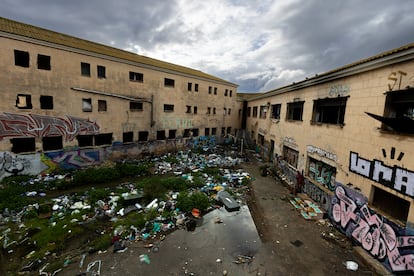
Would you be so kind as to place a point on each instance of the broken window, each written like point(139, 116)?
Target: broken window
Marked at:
point(20, 145)
point(46, 102)
point(263, 111)
point(52, 143)
point(21, 58)
point(321, 172)
point(85, 69)
point(254, 111)
point(186, 133)
point(329, 111)
point(135, 106)
point(390, 204)
point(189, 86)
point(43, 62)
point(137, 77)
point(103, 139)
point(276, 111)
point(195, 132)
point(128, 137)
point(24, 101)
point(87, 105)
point(142, 136)
point(160, 134)
point(195, 109)
point(188, 109)
point(290, 156)
point(172, 133)
point(101, 71)
point(398, 112)
point(102, 105)
point(196, 87)
point(168, 107)
point(85, 140)
point(295, 111)
point(213, 131)
point(207, 131)
point(209, 89)
point(169, 82)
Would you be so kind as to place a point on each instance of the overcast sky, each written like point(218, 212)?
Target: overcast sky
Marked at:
point(258, 44)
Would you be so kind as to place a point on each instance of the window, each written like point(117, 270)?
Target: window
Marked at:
point(214, 111)
point(209, 89)
point(215, 90)
point(390, 204)
point(127, 137)
point(195, 132)
point(24, 101)
point(255, 111)
point(223, 131)
point(168, 107)
point(23, 145)
point(103, 139)
point(85, 140)
point(172, 133)
point(186, 133)
point(290, 156)
point(249, 111)
point(329, 111)
point(101, 71)
point(21, 58)
point(52, 143)
point(43, 62)
point(188, 109)
point(213, 131)
point(189, 87)
point(169, 82)
point(261, 139)
point(195, 109)
point(295, 111)
point(224, 111)
point(85, 69)
point(142, 136)
point(135, 106)
point(137, 77)
point(321, 173)
point(208, 110)
point(231, 93)
point(398, 112)
point(263, 111)
point(196, 87)
point(161, 135)
point(87, 105)
point(276, 111)
point(206, 131)
point(46, 102)
point(102, 105)
point(226, 92)
point(228, 130)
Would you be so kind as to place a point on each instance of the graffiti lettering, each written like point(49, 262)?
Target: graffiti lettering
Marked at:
point(77, 158)
point(11, 164)
point(399, 179)
point(339, 90)
point(321, 152)
point(395, 79)
point(372, 232)
point(168, 123)
point(32, 125)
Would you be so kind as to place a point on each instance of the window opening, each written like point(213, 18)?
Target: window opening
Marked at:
point(128, 137)
point(169, 82)
point(206, 131)
point(195, 109)
point(188, 109)
point(87, 105)
point(137, 77)
point(21, 58)
point(214, 111)
point(215, 90)
point(103, 139)
point(20, 145)
point(189, 86)
point(46, 102)
point(255, 111)
point(290, 156)
point(168, 107)
point(225, 92)
point(142, 136)
point(135, 106)
point(102, 106)
point(186, 133)
point(229, 111)
point(195, 132)
point(249, 111)
point(161, 135)
point(85, 69)
point(295, 111)
point(85, 140)
point(213, 131)
point(196, 87)
point(101, 71)
point(172, 133)
point(52, 143)
point(209, 89)
point(390, 204)
point(43, 62)
point(24, 101)
point(208, 110)
point(329, 111)
point(276, 111)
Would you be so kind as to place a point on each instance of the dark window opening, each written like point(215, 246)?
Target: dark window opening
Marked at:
point(160, 134)
point(209, 89)
point(24, 101)
point(103, 139)
point(229, 111)
point(188, 108)
point(195, 132)
point(21, 58)
point(329, 111)
point(231, 93)
point(20, 145)
point(228, 130)
point(43, 62)
point(135, 106)
point(290, 156)
point(224, 111)
point(169, 82)
point(254, 111)
point(398, 112)
point(195, 109)
point(226, 92)
point(168, 107)
point(87, 105)
point(172, 133)
point(137, 77)
point(208, 110)
point(213, 131)
point(321, 173)
point(196, 87)
point(189, 86)
point(206, 131)
point(295, 111)
point(46, 102)
point(142, 136)
point(391, 205)
point(276, 111)
point(223, 131)
point(261, 139)
point(101, 71)
point(85, 140)
point(215, 90)
point(263, 112)
point(85, 69)
point(52, 143)
point(214, 111)
point(186, 133)
point(249, 111)
point(102, 105)
point(128, 137)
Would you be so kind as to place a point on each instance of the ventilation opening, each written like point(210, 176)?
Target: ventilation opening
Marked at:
point(52, 143)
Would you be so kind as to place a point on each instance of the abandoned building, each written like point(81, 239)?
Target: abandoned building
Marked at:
point(350, 131)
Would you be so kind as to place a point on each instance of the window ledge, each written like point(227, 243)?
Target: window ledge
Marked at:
point(326, 124)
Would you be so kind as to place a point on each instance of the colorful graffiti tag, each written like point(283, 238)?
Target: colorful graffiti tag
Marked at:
point(383, 239)
point(31, 125)
point(12, 164)
point(204, 142)
point(75, 159)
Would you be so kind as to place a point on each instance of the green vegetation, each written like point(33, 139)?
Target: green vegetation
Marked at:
point(187, 201)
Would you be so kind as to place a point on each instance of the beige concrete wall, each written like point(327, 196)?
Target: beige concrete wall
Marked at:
point(359, 134)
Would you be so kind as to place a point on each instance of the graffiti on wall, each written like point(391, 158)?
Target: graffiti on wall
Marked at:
point(176, 123)
point(383, 239)
point(31, 125)
point(317, 195)
point(321, 152)
point(395, 177)
point(75, 159)
point(203, 142)
point(396, 79)
point(13, 164)
point(339, 90)
point(322, 173)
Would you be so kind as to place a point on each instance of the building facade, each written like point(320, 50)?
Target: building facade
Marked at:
point(350, 133)
point(70, 102)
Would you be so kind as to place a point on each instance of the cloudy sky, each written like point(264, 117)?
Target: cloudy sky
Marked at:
point(258, 44)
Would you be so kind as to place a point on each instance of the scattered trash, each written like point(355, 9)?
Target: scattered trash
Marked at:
point(94, 268)
point(229, 203)
point(351, 265)
point(241, 259)
point(144, 258)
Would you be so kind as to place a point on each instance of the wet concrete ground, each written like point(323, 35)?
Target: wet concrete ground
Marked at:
point(283, 243)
